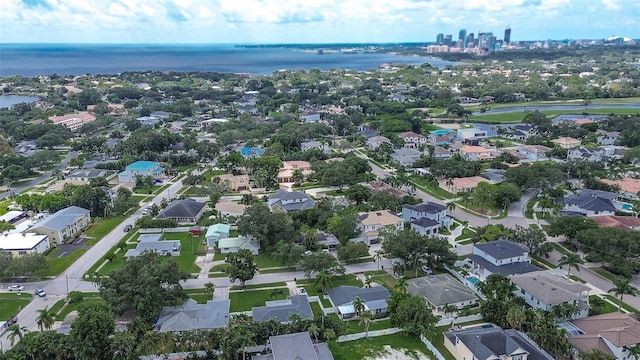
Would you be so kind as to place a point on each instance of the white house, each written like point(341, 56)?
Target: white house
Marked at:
point(290, 201)
point(429, 210)
point(500, 257)
point(534, 152)
point(406, 156)
point(234, 244)
point(216, 232)
point(142, 168)
point(412, 140)
point(18, 244)
point(308, 145)
point(375, 141)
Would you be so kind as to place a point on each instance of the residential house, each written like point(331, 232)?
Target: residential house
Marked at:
point(613, 333)
point(281, 310)
point(500, 257)
point(440, 153)
point(25, 148)
point(629, 187)
point(441, 290)
point(149, 120)
point(368, 132)
point(249, 152)
point(63, 225)
point(234, 244)
point(310, 116)
point(485, 342)
point(193, 316)
point(425, 226)
point(13, 216)
point(377, 186)
point(163, 115)
point(475, 153)
point(534, 152)
point(235, 182)
point(18, 244)
point(141, 168)
point(546, 289)
point(154, 243)
point(621, 222)
point(412, 140)
point(406, 156)
point(603, 153)
point(185, 211)
point(285, 175)
point(73, 122)
point(471, 133)
point(308, 145)
point(290, 201)
point(429, 210)
point(520, 132)
point(607, 137)
point(374, 299)
point(86, 175)
point(457, 185)
point(589, 205)
point(374, 142)
point(566, 142)
point(369, 223)
point(495, 176)
point(216, 232)
point(441, 136)
point(330, 241)
point(297, 346)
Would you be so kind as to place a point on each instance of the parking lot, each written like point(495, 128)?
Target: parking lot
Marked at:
point(67, 249)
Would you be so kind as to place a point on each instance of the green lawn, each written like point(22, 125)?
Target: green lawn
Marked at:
point(466, 234)
point(245, 300)
point(604, 273)
point(347, 280)
point(355, 326)
point(11, 303)
point(385, 280)
point(190, 244)
point(260, 286)
point(625, 306)
point(559, 248)
point(201, 296)
point(374, 346)
point(433, 189)
point(57, 265)
point(278, 270)
point(608, 307)
point(264, 260)
point(68, 308)
point(101, 227)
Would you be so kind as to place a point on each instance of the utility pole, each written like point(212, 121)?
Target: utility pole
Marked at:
point(66, 277)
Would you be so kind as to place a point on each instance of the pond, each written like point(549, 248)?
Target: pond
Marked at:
point(7, 101)
point(554, 107)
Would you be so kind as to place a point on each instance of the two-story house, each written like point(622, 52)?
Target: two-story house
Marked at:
point(412, 140)
point(235, 182)
point(486, 342)
point(475, 153)
point(308, 145)
point(64, 224)
point(406, 156)
point(544, 290)
point(607, 137)
point(285, 175)
point(369, 223)
point(500, 257)
point(534, 152)
point(290, 201)
point(441, 137)
point(141, 168)
point(374, 142)
point(613, 334)
point(429, 210)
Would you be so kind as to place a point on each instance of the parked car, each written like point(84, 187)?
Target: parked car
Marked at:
point(128, 228)
point(307, 253)
point(41, 292)
point(427, 270)
point(302, 291)
point(16, 288)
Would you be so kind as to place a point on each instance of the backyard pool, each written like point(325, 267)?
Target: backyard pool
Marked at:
point(627, 207)
point(474, 280)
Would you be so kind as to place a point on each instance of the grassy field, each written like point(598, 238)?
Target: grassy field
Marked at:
point(517, 116)
point(347, 280)
point(466, 234)
point(58, 265)
point(68, 308)
point(355, 326)
point(245, 300)
point(11, 303)
point(609, 101)
point(374, 346)
point(385, 280)
point(101, 227)
point(264, 260)
point(608, 307)
point(435, 190)
point(201, 296)
point(260, 286)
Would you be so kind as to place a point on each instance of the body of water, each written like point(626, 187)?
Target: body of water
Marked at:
point(554, 107)
point(65, 59)
point(7, 101)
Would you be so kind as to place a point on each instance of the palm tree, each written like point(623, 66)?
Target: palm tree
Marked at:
point(314, 331)
point(366, 318)
point(571, 260)
point(16, 330)
point(401, 285)
point(45, 319)
point(398, 269)
point(634, 351)
point(367, 282)
point(378, 255)
point(449, 184)
point(596, 305)
point(96, 278)
point(622, 286)
point(358, 305)
point(322, 281)
point(451, 206)
point(516, 317)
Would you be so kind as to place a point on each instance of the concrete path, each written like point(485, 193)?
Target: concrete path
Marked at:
point(374, 333)
point(205, 263)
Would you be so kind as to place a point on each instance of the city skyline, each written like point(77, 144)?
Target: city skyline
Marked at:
point(311, 21)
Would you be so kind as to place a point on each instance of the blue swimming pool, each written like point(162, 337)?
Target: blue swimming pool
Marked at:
point(628, 207)
point(474, 280)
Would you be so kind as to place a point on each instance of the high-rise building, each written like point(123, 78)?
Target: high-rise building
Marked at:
point(462, 35)
point(448, 39)
point(507, 34)
point(440, 38)
point(469, 41)
point(486, 41)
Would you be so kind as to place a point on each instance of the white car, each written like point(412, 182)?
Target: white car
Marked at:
point(16, 288)
point(41, 292)
point(302, 291)
point(427, 270)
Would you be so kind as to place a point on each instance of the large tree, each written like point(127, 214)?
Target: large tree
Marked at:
point(266, 226)
point(533, 238)
point(91, 332)
point(320, 262)
point(412, 314)
point(144, 284)
point(242, 266)
point(414, 249)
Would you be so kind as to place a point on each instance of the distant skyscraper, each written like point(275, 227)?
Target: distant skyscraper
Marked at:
point(470, 41)
point(507, 34)
point(462, 35)
point(440, 38)
point(486, 41)
point(448, 39)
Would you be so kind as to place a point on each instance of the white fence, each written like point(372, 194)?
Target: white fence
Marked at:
point(458, 320)
point(432, 348)
point(163, 230)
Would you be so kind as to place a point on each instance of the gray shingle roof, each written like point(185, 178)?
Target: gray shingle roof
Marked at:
point(501, 249)
point(425, 222)
point(296, 346)
point(62, 218)
point(181, 209)
point(344, 295)
point(280, 310)
point(550, 289)
point(506, 269)
point(194, 316)
point(495, 342)
point(428, 207)
point(281, 199)
point(440, 290)
point(590, 203)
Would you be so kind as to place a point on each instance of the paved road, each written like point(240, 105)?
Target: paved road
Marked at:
point(71, 279)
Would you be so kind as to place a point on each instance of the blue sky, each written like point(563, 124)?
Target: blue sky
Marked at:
point(308, 21)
